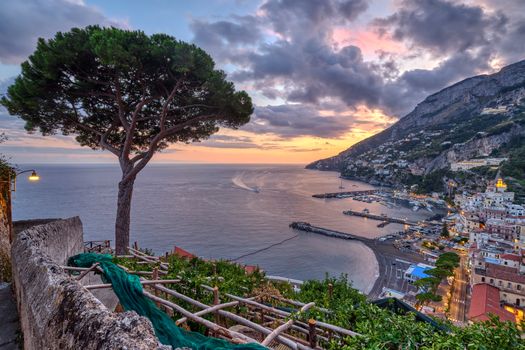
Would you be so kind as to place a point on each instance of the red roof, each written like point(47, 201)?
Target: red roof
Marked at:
point(250, 268)
point(485, 300)
point(512, 257)
point(183, 253)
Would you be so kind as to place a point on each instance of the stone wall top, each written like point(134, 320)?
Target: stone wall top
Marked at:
point(56, 312)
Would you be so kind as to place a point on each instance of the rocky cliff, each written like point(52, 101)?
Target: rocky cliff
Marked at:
point(470, 119)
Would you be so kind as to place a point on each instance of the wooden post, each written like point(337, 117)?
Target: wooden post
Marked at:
point(312, 338)
point(216, 301)
point(330, 296)
point(155, 276)
point(262, 316)
point(135, 245)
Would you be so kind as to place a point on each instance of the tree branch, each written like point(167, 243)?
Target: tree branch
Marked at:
point(103, 136)
point(170, 98)
point(131, 130)
point(105, 144)
point(121, 112)
point(153, 146)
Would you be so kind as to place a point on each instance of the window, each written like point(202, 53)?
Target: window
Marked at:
point(491, 281)
point(482, 279)
point(500, 283)
point(509, 285)
point(518, 287)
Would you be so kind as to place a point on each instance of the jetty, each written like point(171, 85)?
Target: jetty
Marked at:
point(347, 194)
point(305, 226)
point(392, 262)
point(383, 218)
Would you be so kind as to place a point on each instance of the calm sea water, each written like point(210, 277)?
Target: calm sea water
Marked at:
point(214, 212)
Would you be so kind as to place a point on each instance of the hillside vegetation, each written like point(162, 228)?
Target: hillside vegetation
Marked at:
point(348, 308)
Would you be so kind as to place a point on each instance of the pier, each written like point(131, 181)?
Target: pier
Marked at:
point(392, 262)
point(383, 218)
point(304, 226)
point(347, 194)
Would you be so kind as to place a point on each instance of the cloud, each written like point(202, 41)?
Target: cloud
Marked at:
point(290, 17)
point(32, 149)
point(294, 120)
point(414, 85)
point(443, 26)
point(304, 53)
point(23, 22)
point(228, 141)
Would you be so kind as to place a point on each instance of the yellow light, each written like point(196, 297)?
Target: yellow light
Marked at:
point(34, 176)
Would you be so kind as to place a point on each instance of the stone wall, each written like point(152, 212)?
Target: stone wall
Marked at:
point(56, 312)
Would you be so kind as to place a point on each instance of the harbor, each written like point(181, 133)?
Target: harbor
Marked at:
point(391, 260)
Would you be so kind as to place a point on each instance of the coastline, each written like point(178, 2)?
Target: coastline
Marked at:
point(388, 258)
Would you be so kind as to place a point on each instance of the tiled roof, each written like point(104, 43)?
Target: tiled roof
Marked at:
point(250, 268)
point(183, 253)
point(505, 273)
point(485, 300)
point(512, 257)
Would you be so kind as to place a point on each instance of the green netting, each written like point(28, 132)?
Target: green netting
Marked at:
point(128, 289)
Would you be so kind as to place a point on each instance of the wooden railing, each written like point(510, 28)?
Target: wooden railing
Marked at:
point(273, 324)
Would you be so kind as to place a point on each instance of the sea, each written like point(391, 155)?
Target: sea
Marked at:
point(237, 212)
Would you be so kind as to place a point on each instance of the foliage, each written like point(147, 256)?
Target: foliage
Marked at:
point(445, 265)
point(380, 328)
point(432, 182)
point(125, 92)
point(109, 85)
point(444, 231)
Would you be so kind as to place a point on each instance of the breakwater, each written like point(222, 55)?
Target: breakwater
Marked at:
point(305, 226)
point(382, 218)
point(347, 194)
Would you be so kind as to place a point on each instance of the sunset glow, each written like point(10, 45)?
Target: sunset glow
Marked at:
point(321, 80)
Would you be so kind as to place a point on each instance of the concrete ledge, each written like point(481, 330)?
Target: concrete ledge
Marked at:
point(56, 312)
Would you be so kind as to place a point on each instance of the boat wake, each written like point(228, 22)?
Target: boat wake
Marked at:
point(237, 181)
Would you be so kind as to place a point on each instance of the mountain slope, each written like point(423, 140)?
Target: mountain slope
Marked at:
point(470, 119)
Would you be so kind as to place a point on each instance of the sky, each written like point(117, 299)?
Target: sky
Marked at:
point(323, 74)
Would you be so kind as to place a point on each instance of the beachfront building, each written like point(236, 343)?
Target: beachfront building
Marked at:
point(496, 229)
point(503, 271)
point(485, 301)
point(416, 272)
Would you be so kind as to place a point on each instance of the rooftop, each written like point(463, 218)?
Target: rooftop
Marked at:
point(418, 270)
point(485, 300)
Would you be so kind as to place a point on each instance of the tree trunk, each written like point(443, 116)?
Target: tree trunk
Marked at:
point(125, 191)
